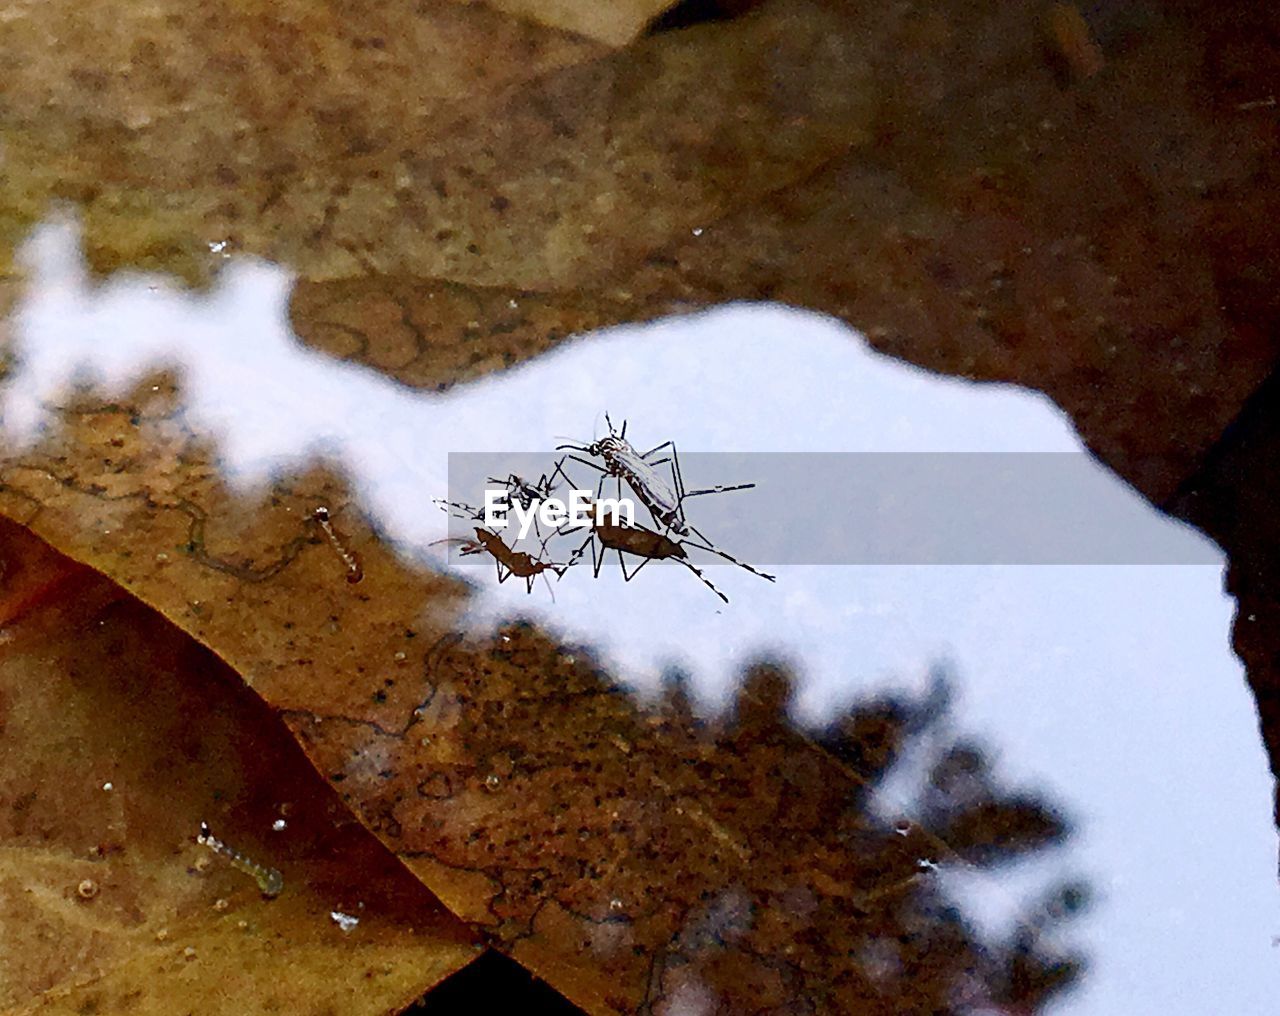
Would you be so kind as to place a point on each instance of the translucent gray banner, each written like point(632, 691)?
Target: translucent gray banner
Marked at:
point(870, 508)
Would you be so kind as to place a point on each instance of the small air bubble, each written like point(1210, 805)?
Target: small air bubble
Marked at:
point(512, 304)
point(400, 657)
point(278, 825)
point(493, 781)
point(697, 231)
point(902, 827)
point(108, 786)
point(220, 905)
point(189, 952)
point(87, 889)
point(615, 905)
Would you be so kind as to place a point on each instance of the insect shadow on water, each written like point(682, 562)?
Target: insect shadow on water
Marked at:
point(664, 501)
point(507, 560)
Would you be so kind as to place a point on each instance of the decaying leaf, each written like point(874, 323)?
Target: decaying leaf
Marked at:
point(628, 856)
point(459, 190)
point(988, 223)
point(119, 736)
point(925, 174)
point(177, 127)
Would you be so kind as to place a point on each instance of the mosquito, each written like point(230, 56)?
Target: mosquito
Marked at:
point(640, 542)
point(515, 562)
point(527, 495)
point(665, 501)
point(623, 462)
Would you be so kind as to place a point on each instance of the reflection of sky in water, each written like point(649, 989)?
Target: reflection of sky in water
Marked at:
point(1113, 686)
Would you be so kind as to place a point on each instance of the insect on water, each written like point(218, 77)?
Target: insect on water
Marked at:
point(507, 560)
point(516, 562)
point(664, 502)
point(269, 880)
point(638, 541)
point(528, 495)
point(348, 556)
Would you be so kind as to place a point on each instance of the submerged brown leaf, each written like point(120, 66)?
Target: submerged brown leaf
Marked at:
point(251, 123)
point(1087, 239)
point(629, 856)
point(461, 190)
point(932, 177)
point(119, 736)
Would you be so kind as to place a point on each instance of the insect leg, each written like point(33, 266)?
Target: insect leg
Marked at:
point(716, 490)
point(597, 562)
point(559, 569)
point(709, 546)
point(573, 558)
point(623, 564)
point(586, 462)
point(560, 469)
point(674, 459)
point(468, 510)
point(706, 581)
point(677, 477)
point(658, 448)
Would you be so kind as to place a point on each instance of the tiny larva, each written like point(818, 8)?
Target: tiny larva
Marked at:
point(349, 557)
point(269, 880)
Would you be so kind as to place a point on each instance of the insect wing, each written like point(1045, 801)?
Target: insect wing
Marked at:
point(648, 484)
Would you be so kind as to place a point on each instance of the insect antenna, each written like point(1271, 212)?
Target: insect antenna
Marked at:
point(468, 546)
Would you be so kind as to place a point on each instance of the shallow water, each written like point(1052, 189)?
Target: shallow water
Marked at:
point(1108, 687)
